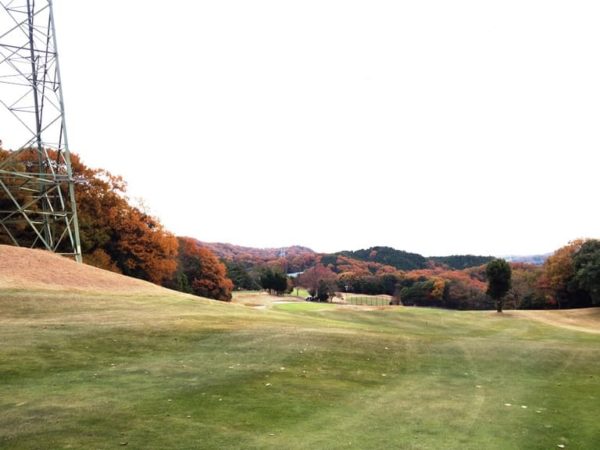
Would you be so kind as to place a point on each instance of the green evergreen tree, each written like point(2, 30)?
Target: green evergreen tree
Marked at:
point(586, 263)
point(274, 280)
point(499, 275)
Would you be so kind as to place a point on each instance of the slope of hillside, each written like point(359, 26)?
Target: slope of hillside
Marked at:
point(231, 251)
point(23, 268)
point(294, 258)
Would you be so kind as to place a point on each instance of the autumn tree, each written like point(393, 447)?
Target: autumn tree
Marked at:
point(18, 228)
point(143, 248)
point(200, 272)
point(422, 291)
point(319, 280)
point(498, 273)
point(525, 292)
point(586, 265)
point(116, 235)
point(557, 275)
point(461, 294)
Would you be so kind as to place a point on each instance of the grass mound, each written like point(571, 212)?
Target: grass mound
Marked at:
point(23, 268)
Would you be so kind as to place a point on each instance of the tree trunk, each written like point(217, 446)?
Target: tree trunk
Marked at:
point(499, 306)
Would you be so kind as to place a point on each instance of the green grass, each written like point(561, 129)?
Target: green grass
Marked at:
point(300, 292)
point(93, 371)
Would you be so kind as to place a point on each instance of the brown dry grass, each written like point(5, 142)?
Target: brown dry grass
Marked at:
point(260, 299)
point(348, 307)
point(585, 319)
point(23, 268)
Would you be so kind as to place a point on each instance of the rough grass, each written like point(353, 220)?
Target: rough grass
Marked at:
point(170, 371)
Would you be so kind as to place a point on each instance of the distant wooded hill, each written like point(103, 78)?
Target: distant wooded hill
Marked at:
point(299, 258)
point(412, 261)
point(389, 256)
point(233, 251)
point(295, 258)
point(460, 262)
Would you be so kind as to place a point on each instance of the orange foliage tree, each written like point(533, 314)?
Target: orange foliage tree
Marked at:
point(557, 273)
point(116, 235)
point(525, 292)
point(562, 272)
point(200, 272)
point(144, 249)
point(317, 278)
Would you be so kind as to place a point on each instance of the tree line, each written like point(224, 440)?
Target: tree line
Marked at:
point(121, 237)
point(570, 278)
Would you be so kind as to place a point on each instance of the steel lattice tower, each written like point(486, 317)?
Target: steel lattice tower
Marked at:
point(37, 196)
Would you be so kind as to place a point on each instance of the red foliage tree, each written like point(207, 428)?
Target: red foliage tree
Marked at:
point(557, 273)
point(200, 272)
point(315, 277)
point(136, 243)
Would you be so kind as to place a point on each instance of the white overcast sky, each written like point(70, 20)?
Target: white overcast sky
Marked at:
point(438, 127)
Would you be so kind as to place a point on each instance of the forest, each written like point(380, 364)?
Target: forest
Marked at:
point(119, 236)
point(122, 237)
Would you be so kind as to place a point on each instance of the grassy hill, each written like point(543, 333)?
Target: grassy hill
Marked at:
point(157, 369)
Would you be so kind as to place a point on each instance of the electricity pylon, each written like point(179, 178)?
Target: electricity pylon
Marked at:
point(37, 195)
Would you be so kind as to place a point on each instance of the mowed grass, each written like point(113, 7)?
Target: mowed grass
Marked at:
point(300, 292)
point(170, 371)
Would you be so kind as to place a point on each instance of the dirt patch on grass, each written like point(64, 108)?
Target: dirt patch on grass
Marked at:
point(255, 299)
point(585, 319)
point(23, 268)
